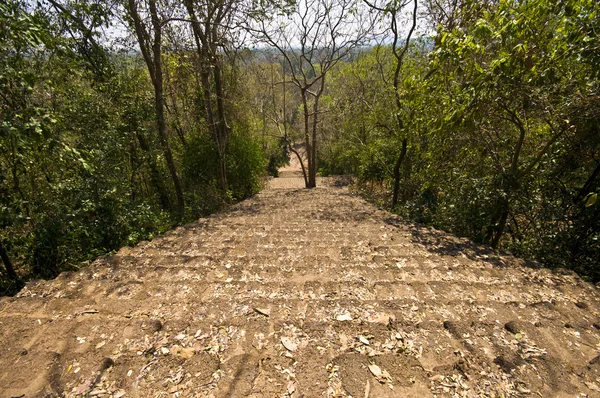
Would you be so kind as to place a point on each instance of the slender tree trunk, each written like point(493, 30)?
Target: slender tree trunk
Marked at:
point(498, 220)
point(510, 182)
point(210, 115)
point(223, 127)
point(160, 108)
point(10, 270)
point(394, 9)
point(162, 133)
point(207, 38)
point(133, 163)
point(588, 184)
point(177, 124)
point(501, 226)
point(304, 174)
point(215, 128)
point(312, 167)
point(152, 57)
point(397, 167)
point(310, 183)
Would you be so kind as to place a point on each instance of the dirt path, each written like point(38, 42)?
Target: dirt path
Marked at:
point(298, 293)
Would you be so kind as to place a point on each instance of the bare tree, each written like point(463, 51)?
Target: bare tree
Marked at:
point(150, 37)
point(313, 36)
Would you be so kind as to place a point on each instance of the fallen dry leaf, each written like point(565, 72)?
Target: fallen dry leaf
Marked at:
point(289, 344)
point(344, 317)
point(382, 376)
point(263, 311)
point(376, 370)
point(291, 387)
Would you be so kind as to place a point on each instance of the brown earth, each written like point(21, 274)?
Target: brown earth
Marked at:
point(303, 293)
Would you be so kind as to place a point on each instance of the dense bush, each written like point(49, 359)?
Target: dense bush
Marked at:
point(501, 128)
point(83, 170)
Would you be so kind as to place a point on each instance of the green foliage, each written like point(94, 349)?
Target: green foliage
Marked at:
point(82, 171)
point(246, 166)
point(499, 113)
point(279, 156)
point(501, 117)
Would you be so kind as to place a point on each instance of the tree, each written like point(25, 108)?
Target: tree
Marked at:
point(312, 36)
point(211, 21)
point(510, 69)
point(150, 37)
point(393, 10)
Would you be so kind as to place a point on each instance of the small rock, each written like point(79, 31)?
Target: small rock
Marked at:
point(512, 327)
point(545, 304)
point(106, 363)
point(152, 325)
point(582, 305)
point(568, 325)
point(596, 326)
point(23, 352)
point(595, 361)
point(538, 324)
point(452, 327)
point(505, 363)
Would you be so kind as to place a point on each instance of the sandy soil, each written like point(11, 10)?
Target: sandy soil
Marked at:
point(303, 293)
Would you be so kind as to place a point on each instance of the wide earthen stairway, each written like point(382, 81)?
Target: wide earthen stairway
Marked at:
point(303, 293)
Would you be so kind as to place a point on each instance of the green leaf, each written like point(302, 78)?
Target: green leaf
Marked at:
point(591, 199)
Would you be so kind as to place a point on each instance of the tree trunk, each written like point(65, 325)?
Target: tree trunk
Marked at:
point(207, 41)
point(160, 108)
point(222, 127)
point(397, 167)
point(588, 184)
point(501, 226)
point(301, 163)
point(310, 183)
point(10, 270)
point(162, 132)
point(154, 63)
point(498, 221)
